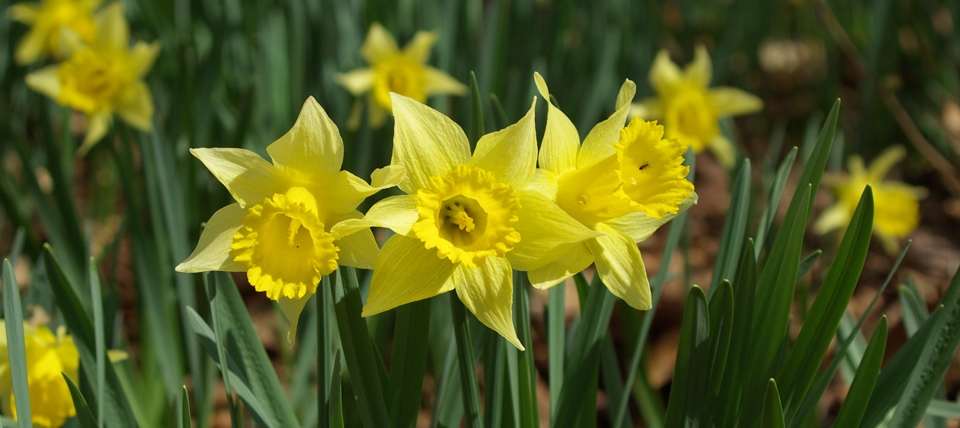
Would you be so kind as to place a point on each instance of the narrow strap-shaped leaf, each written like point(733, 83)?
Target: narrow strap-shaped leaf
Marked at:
point(323, 345)
point(84, 416)
point(494, 369)
point(409, 361)
point(529, 416)
point(16, 348)
point(476, 112)
point(851, 412)
point(336, 397)
point(692, 369)
point(734, 229)
point(467, 364)
point(773, 200)
point(93, 281)
point(806, 263)
point(358, 350)
point(933, 362)
point(184, 420)
point(820, 326)
point(823, 382)
point(584, 356)
point(611, 377)
point(556, 335)
point(722, 318)
point(772, 415)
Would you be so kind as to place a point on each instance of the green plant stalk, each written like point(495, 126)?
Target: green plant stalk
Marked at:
point(468, 373)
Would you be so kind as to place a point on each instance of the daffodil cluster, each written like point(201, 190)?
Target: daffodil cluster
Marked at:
point(101, 74)
point(49, 357)
point(466, 220)
point(688, 106)
point(896, 204)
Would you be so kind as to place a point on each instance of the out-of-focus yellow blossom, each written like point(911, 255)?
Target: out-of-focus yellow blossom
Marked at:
point(896, 204)
point(404, 72)
point(623, 183)
point(466, 219)
point(48, 356)
point(279, 230)
point(46, 19)
point(101, 78)
point(690, 109)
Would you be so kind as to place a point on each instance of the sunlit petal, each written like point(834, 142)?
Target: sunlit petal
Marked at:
point(599, 142)
point(561, 141)
point(488, 292)
point(248, 177)
point(621, 268)
point(312, 148)
point(574, 260)
point(733, 102)
point(357, 82)
point(213, 249)
point(397, 213)
point(511, 153)
point(439, 82)
point(378, 44)
point(406, 272)
point(546, 232)
point(426, 143)
point(419, 47)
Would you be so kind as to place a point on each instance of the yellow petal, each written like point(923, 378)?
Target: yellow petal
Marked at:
point(357, 82)
point(543, 181)
point(574, 260)
point(248, 177)
point(700, 71)
point(510, 153)
point(213, 249)
point(419, 48)
point(359, 249)
point(45, 81)
point(406, 272)
point(546, 232)
point(143, 56)
point(724, 151)
point(112, 29)
point(647, 108)
point(397, 213)
point(487, 291)
point(621, 268)
point(312, 148)
point(439, 82)
point(733, 102)
point(292, 308)
point(882, 163)
point(638, 226)
point(135, 106)
point(425, 142)
point(835, 217)
point(561, 141)
point(599, 142)
point(347, 191)
point(23, 12)
point(69, 42)
point(31, 47)
point(97, 127)
point(378, 45)
point(665, 76)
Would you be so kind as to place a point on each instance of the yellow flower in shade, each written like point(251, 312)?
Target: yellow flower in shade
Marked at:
point(48, 356)
point(466, 219)
point(404, 72)
point(101, 78)
point(689, 109)
point(896, 204)
point(46, 19)
point(623, 183)
point(279, 230)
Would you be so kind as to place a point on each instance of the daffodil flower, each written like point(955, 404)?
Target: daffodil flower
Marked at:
point(623, 183)
point(46, 19)
point(466, 220)
point(279, 230)
point(896, 204)
point(689, 109)
point(404, 72)
point(101, 78)
point(47, 356)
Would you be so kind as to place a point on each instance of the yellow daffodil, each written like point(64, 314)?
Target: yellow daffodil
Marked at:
point(896, 204)
point(46, 19)
point(404, 72)
point(279, 230)
point(689, 109)
point(48, 356)
point(101, 78)
point(466, 219)
point(623, 183)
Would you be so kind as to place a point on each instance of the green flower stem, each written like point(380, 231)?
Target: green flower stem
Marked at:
point(323, 300)
point(468, 374)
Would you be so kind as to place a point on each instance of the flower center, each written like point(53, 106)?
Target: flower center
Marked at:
point(467, 215)
point(691, 118)
point(401, 75)
point(90, 81)
point(594, 193)
point(652, 169)
point(284, 245)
